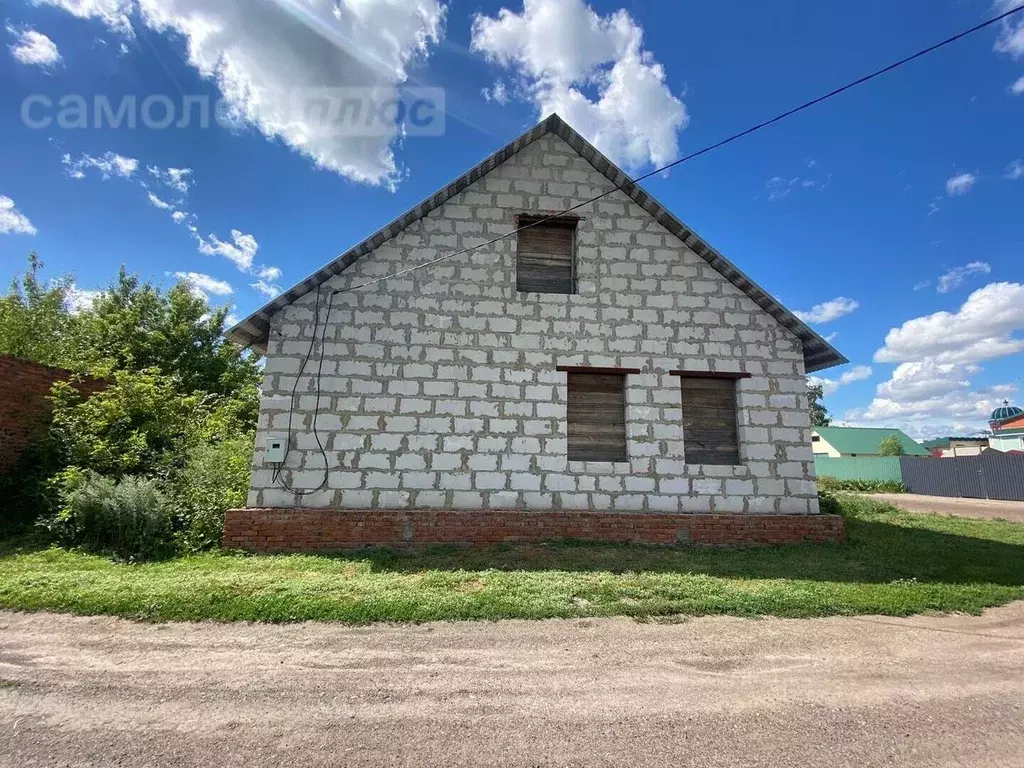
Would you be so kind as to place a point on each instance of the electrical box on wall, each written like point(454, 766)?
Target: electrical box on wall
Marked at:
point(273, 450)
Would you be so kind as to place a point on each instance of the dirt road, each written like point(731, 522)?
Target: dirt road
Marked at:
point(924, 691)
point(944, 505)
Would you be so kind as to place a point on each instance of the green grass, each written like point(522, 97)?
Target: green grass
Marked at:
point(893, 563)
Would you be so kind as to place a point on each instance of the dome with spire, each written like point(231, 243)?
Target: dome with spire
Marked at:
point(1005, 412)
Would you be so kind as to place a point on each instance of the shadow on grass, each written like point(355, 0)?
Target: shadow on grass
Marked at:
point(874, 551)
point(23, 543)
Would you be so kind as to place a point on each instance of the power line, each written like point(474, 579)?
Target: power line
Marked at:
point(704, 151)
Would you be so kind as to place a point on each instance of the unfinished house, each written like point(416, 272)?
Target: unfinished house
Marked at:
point(598, 374)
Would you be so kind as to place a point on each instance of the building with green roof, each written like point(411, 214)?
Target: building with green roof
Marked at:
point(838, 442)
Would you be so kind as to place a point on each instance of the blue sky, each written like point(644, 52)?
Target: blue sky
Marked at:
point(890, 216)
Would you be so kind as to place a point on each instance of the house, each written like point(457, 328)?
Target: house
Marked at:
point(1007, 425)
point(851, 442)
point(954, 447)
point(603, 374)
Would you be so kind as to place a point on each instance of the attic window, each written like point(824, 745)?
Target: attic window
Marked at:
point(710, 428)
point(544, 255)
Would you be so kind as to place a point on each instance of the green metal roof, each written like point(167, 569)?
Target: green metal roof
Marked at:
point(865, 440)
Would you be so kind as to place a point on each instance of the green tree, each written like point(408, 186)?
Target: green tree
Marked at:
point(176, 416)
point(819, 413)
point(140, 424)
point(134, 325)
point(891, 445)
point(35, 320)
point(130, 326)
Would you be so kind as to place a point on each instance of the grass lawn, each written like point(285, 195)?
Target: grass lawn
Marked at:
point(893, 563)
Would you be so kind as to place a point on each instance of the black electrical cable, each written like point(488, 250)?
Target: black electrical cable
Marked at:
point(316, 411)
point(705, 150)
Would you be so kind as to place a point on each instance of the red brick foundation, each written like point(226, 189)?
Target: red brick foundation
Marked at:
point(304, 530)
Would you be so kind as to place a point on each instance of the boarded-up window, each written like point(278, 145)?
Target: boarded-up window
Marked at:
point(597, 417)
point(544, 256)
point(710, 435)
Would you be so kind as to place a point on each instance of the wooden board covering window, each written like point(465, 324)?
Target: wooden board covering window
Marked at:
point(710, 434)
point(597, 417)
point(544, 256)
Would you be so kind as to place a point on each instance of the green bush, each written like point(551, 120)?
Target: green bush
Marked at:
point(25, 492)
point(861, 486)
point(215, 479)
point(891, 446)
point(130, 518)
point(139, 425)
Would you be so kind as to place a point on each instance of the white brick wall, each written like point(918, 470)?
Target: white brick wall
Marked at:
point(440, 388)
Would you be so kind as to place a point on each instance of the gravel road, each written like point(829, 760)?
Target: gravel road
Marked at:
point(945, 505)
point(869, 691)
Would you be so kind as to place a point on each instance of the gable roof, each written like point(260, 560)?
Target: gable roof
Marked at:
point(818, 353)
point(865, 440)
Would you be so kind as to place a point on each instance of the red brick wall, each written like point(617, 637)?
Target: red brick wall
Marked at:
point(303, 530)
point(24, 408)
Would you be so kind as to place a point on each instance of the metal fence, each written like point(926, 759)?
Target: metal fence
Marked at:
point(992, 475)
point(881, 468)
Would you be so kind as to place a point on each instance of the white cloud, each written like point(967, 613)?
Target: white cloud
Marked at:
point(177, 179)
point(113, 13)
point(779, 187)
point(828, 386)
point(831, 337)
point(960, 184)
point(982, 329)
point(34, 48)
point(828, 310)
point(498, 93)
point(1011, 33)
point(1014, 171)
point(266, 289)
point(931, 392)
point(263, 55)
point(559, 49)
point(203, 285)
point(161, 204)
point(857, 373)
point(967, 409)
point(241, 250)
point(956, 276)
point(110, 164)
point(924, 379)
point(267, 273)
point(78, 300)
point(921, 284)
point(1018, 86)
point(13, 221)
